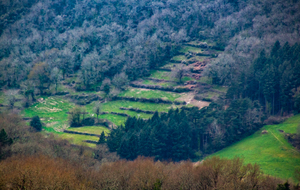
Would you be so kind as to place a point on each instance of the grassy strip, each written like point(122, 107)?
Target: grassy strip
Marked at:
point(186, 49)
point(161, 75)
point(139, 93)
point(116, 119)
point(271, 151)
point(114, 106)
point(164, 84)
point(77, 139)
point(90, 129)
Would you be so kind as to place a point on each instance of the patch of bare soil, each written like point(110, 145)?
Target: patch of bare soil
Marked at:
point(189, 99)
point(50, 124)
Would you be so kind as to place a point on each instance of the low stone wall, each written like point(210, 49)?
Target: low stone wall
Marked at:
point(120, 114)
point(83, 99)
point(158, 80)
point(174, 61)
point(137, 110)
point(149, 100)
point(91, 142)
point(60, 93)
point(80, 133)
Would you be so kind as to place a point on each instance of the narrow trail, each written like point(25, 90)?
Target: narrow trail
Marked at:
point(283, 143)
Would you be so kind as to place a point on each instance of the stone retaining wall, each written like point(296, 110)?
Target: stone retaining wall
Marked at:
point(80, 133)
point(153, 87)
point(149, 100)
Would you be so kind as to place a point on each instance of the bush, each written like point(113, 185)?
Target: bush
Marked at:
point(88, 121)
point(36, 123)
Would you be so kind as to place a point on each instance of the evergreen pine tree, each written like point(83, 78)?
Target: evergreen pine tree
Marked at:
point(102, 138)
point(36, 123)
point(4, 139)
point(114, 139)
point(276, 47)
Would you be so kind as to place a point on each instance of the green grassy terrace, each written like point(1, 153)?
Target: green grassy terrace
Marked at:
point(141, 93)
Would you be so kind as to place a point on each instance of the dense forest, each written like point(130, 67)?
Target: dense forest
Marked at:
point(189, 132)
point(103, 39)
point(272, 79)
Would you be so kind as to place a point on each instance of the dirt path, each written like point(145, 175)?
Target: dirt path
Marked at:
point(189, 99)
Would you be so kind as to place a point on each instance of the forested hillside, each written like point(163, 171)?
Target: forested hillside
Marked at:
point(103, 38)
point(167, 79)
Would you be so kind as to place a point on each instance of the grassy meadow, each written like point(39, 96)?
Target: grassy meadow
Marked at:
point(270, 151)
point(97, 130)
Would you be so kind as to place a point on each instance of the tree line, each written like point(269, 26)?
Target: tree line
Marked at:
point(188, 133)
point(43, 172)
point(273, 79)
point(59, 38)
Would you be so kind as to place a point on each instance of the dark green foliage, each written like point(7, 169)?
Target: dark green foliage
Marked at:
point(273, 80)
point(106, 89)
point(102, 138)
point(36, 123)
point(88, 121)
point(4, 139)
point(177, 135)
point(285, 186)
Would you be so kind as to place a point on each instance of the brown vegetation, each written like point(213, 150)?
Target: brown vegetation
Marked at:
point(42, 172)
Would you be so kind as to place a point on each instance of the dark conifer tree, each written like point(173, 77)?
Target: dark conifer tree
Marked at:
point(4, 139)
point(36, 123)
point(102, 138)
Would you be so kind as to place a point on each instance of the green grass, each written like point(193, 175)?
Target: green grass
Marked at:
point(2, 97)
point(179, 58)
point(161, 75)
point(116, 119)
point(186, 49)
point(271, 151)
point(164, 84)
point(205, 80)
point(114, 106)
point(78, 139)
point(220, 88)
point(198, 58)
point(139, 93)
point(50, 107)
point(52, 111)
point(170, 65)
point(90, 129)
point(185, 79)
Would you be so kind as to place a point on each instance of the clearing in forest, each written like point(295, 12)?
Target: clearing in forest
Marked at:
point(271, 151)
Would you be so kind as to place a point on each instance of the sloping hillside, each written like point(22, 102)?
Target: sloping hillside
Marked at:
point(271, 150)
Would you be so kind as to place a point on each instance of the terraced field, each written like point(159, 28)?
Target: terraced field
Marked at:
point(54, 110)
